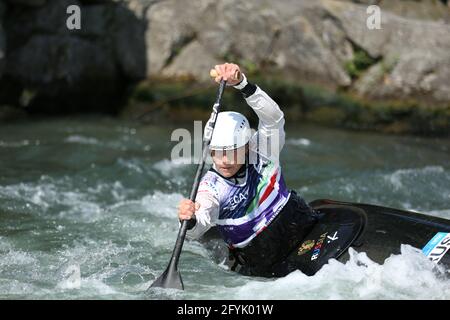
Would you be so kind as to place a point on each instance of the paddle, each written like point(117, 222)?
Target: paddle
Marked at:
point(171, 278)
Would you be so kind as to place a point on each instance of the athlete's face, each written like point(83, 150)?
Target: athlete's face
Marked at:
point(229, 162)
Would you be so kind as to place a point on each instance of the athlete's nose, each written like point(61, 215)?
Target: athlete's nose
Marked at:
point(225, 159)
point(228, 157)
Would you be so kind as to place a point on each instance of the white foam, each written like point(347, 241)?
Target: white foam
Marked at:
point(71, 278)
point(397, 176)
point(409, 275)
point(82, 140)
point(167, 167)
point(444, 213)
point(48, 194)
point(16, 258)
point(130, 164)
point(299, 142)
point(162, 204)
point(17, 144)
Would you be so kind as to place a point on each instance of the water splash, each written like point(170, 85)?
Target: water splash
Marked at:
point(409, 275)
point(299, 142)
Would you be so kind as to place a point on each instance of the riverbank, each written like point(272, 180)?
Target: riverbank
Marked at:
point(165, 100)
point(157, 100)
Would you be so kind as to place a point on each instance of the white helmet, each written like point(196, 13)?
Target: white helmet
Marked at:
point(232, 131)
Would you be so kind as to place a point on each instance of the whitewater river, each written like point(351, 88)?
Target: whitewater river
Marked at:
point(88, 211)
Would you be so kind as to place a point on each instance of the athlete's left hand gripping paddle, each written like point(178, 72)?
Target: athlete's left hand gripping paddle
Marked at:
point(171, 278)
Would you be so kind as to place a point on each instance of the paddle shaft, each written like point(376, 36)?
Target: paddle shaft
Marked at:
point(173, 264)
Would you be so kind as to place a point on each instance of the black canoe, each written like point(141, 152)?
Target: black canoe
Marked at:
point(378, 231)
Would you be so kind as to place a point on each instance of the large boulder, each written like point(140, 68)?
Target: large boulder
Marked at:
point(2, 40)
point(312, 40)
point(169, 30)
point(422, 9)
point(413, 59)
point(249, 31)
point(67, 70)
point(28, 3)
point(193, 62)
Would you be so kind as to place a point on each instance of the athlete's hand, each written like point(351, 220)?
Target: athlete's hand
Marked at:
point(229, 72)
point(186, 209)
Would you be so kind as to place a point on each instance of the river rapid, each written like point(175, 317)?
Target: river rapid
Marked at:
point(88, 211)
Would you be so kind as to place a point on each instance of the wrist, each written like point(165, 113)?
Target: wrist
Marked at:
point(191, 223)
point(241, 85)
point(247, 88)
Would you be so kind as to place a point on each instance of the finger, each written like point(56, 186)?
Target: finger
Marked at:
point(187, 213)
point(217, 68)
point(236, 74)
point(187, 210)
point(222, 70)
point(219, 72)
point(213, 73)
point(227, 68)
point(233, 71)
point(185, 202)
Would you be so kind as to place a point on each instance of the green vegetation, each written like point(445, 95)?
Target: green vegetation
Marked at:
point(361, 61)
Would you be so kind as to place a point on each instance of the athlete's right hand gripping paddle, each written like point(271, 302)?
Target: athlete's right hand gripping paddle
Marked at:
point(171, 278)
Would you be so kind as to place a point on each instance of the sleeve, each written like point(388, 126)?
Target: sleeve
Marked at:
point(208, 213)
point(270, 138)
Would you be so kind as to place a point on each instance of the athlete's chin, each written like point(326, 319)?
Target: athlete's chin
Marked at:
point(227, 172)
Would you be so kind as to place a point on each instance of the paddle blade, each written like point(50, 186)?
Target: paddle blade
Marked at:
point(169, 279)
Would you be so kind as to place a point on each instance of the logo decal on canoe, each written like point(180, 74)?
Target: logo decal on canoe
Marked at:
point(305, 247)
point(318, 246)
point(334, 237)
point(437, 247)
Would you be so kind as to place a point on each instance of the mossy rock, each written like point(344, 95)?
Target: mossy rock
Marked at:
point(9, 113)
point(169, 100)
point(327, 115)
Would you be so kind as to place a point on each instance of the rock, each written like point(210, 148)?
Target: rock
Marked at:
point(2, 41)
point(373, 77)
point(28, 3)
point(417, 74)
point(55, 58)
point(314, 41)
point(300, 50)
point(140, 7)
point(166, 33)
point(397, 35)
point(422, 10)
point(415, 68)
point(23, 23)
point(75, 69)
point(193, 61)
point(230, 29)
point(63, 70)
point(9, 113)
point(245, 31)
point(128, 37)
